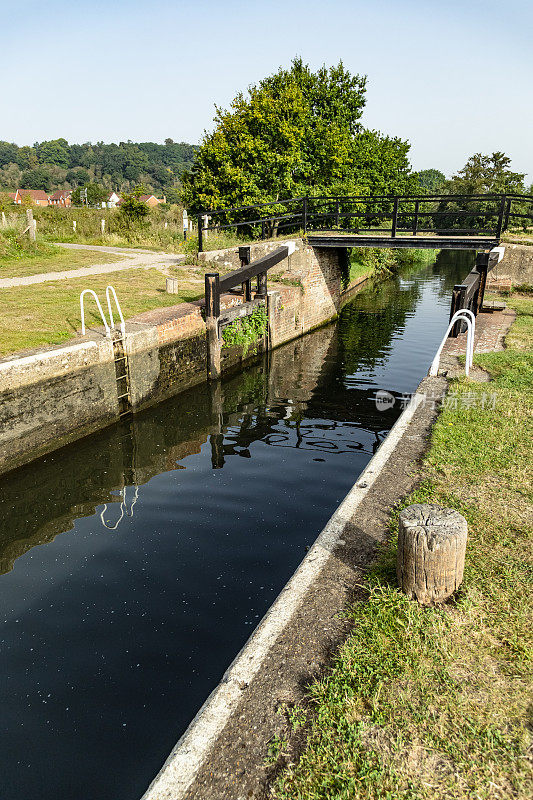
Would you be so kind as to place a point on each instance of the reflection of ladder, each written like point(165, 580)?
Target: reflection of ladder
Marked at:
point(128, 447)
point(122, 374)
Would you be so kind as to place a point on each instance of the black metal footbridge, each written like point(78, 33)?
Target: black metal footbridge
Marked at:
point(437, 221)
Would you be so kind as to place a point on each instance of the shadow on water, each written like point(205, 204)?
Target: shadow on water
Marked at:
point(137, 561)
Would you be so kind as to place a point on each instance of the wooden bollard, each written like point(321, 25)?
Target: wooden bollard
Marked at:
point(431, 552)
point(172, 285)
point(212, 313)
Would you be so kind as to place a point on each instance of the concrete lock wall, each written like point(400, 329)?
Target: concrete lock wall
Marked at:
point(50, 398)
point(53, 397)
point(516, 264)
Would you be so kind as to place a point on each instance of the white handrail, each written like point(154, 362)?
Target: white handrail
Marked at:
point(471, 338)
point(90, 291)
point(465, 315)
point(108, 291)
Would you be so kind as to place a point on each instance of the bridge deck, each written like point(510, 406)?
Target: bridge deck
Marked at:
point(454, 242)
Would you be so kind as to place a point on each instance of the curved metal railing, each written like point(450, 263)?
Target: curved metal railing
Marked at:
point(111, 289)
point(466, 316)
point(82, 309)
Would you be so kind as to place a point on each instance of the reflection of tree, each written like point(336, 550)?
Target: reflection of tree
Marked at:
point(453, 266)
point(366, 325)
point(301, 396)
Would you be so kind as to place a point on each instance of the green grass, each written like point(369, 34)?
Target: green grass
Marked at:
point(49, 313)
point(383, 261)
point(47, 258)
point(357, 269)
point(518, 237)
point(433, 702)
point(55, 225)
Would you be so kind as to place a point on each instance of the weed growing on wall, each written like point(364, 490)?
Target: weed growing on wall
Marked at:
point(245, 331)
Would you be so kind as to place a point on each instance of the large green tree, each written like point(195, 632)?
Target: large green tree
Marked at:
point(296, 132)
point(486, 174)
point(430, 181)
point(55, 152)
point(37, 178)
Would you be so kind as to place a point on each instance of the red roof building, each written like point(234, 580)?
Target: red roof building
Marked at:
point(61, 198)
point(150, 200)
point(37, 197)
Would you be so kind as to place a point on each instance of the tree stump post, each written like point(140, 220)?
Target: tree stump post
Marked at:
point(431, 552)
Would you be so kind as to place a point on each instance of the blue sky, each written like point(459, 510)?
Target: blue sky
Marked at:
point(452, 77)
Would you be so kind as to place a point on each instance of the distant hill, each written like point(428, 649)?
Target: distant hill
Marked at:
point(56, 164)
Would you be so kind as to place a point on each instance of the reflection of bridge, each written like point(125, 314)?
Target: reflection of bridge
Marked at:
point(467, 222)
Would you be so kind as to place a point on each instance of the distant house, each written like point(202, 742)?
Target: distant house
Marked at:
point(112, 201)
point(151, 200)
point(37, 197)
point(61, 198)
point(115, 200)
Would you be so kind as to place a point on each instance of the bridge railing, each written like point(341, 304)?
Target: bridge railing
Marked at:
point(390, 215)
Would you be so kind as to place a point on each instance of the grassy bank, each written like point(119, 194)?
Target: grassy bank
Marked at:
point(50, 315)
point(433, 703)
point(383, 261)
point(18, 256)
point(161, 230)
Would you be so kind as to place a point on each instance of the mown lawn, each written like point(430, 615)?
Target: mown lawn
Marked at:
point(47, 258)
point(436, 703)
point(49, 313)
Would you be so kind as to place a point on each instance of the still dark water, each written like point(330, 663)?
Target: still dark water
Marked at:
point(112, 637)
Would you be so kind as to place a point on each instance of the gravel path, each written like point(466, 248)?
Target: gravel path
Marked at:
point(134, 259)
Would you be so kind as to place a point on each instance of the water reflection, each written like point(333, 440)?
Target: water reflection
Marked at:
point(110, 643)
point(124, 510)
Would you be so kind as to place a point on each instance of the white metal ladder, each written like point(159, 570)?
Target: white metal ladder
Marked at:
point(108, 326)
point(119, 343)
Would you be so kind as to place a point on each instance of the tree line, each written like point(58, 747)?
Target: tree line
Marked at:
point(56, 164)
point(296, 132)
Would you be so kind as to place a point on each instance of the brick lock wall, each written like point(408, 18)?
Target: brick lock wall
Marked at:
point(296, 310)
